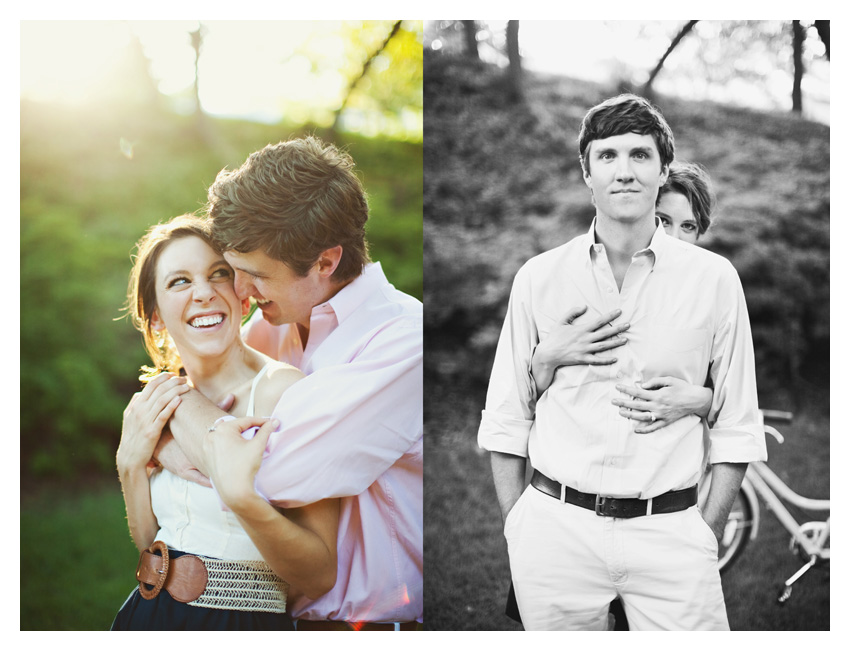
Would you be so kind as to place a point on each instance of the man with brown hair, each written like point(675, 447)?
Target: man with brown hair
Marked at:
point(291, 222)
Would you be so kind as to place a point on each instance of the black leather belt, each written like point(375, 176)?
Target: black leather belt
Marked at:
point(616, 507)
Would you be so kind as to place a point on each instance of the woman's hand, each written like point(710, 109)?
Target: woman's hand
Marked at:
point(662, 400)
point(144, 418)
point(234, 460)
point(570, 344)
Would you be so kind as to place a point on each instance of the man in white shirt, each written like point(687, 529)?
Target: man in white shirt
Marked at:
point(291, 222)
point(610, 512)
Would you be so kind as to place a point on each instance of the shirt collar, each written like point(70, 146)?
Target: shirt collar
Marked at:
point(346, 300)
point(657, 244)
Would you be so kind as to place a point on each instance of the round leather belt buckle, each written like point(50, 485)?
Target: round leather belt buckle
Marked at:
point(150, 593)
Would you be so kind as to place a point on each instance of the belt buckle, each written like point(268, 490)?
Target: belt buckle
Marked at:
point(150, 593)
point(608, 507)
point(601, 503)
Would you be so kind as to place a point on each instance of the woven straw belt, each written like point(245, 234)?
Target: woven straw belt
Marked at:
point(210, 582)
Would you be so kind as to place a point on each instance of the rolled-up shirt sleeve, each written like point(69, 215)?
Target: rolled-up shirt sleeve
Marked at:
point(736, 430)
point(344, 425)
point(508, 414)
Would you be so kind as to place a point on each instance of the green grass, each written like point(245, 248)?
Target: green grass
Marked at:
point(77, 559)
point(467, 575)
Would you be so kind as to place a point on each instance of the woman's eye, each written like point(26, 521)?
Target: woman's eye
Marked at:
point(690, 228)
point(178, 281)
point(222, 273)
point(664, 220)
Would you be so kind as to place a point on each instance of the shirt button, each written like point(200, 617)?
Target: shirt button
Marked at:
point(619, 374)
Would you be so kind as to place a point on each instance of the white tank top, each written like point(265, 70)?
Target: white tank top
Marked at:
point(193, 519)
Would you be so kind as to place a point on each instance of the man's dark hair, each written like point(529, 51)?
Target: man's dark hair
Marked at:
point(625, 113)
point(292, 201)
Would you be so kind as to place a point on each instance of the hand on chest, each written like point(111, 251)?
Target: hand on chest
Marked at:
point(669, 333)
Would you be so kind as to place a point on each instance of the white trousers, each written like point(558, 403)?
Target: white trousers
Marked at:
point(568, 564)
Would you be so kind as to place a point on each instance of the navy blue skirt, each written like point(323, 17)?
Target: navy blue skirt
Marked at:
point(164, 613)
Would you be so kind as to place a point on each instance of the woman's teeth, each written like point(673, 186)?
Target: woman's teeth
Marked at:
point(206, 321)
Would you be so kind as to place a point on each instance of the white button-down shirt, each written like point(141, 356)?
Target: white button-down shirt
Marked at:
point(688, 319)
point(191, 519)
point(353, 426)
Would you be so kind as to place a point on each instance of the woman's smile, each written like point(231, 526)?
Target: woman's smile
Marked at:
point(207, 320)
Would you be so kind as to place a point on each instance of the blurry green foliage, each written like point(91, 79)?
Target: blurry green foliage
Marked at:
point(503, 183)
point(80, 584)
point(92, 182)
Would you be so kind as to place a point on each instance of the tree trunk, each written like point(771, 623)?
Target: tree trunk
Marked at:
point(514, 62)
point(362, 74)
point(196, 39)
point(471, 43)
point(797, 91)
point(202, 125)
point(647, 87)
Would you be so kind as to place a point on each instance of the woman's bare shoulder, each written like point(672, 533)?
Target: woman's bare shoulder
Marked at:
point(277, 378)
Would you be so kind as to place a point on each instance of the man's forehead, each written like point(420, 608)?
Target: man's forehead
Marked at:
point(252, 261)
point(628, 139)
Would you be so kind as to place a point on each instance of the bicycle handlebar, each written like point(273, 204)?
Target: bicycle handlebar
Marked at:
point(779, 416)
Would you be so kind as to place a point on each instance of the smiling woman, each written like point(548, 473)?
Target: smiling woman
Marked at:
point(202, 568)
point(149, 281)
point(196, 303)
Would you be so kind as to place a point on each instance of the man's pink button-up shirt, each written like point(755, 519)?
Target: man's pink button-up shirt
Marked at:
point(353, 427)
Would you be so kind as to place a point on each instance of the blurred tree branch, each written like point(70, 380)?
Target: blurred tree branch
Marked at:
point(647, 87)
point(363, 72)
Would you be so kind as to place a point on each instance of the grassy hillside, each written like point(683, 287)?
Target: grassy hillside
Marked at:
point(503, 183)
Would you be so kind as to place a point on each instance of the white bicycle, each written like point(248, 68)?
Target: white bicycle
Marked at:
point(809, 540)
